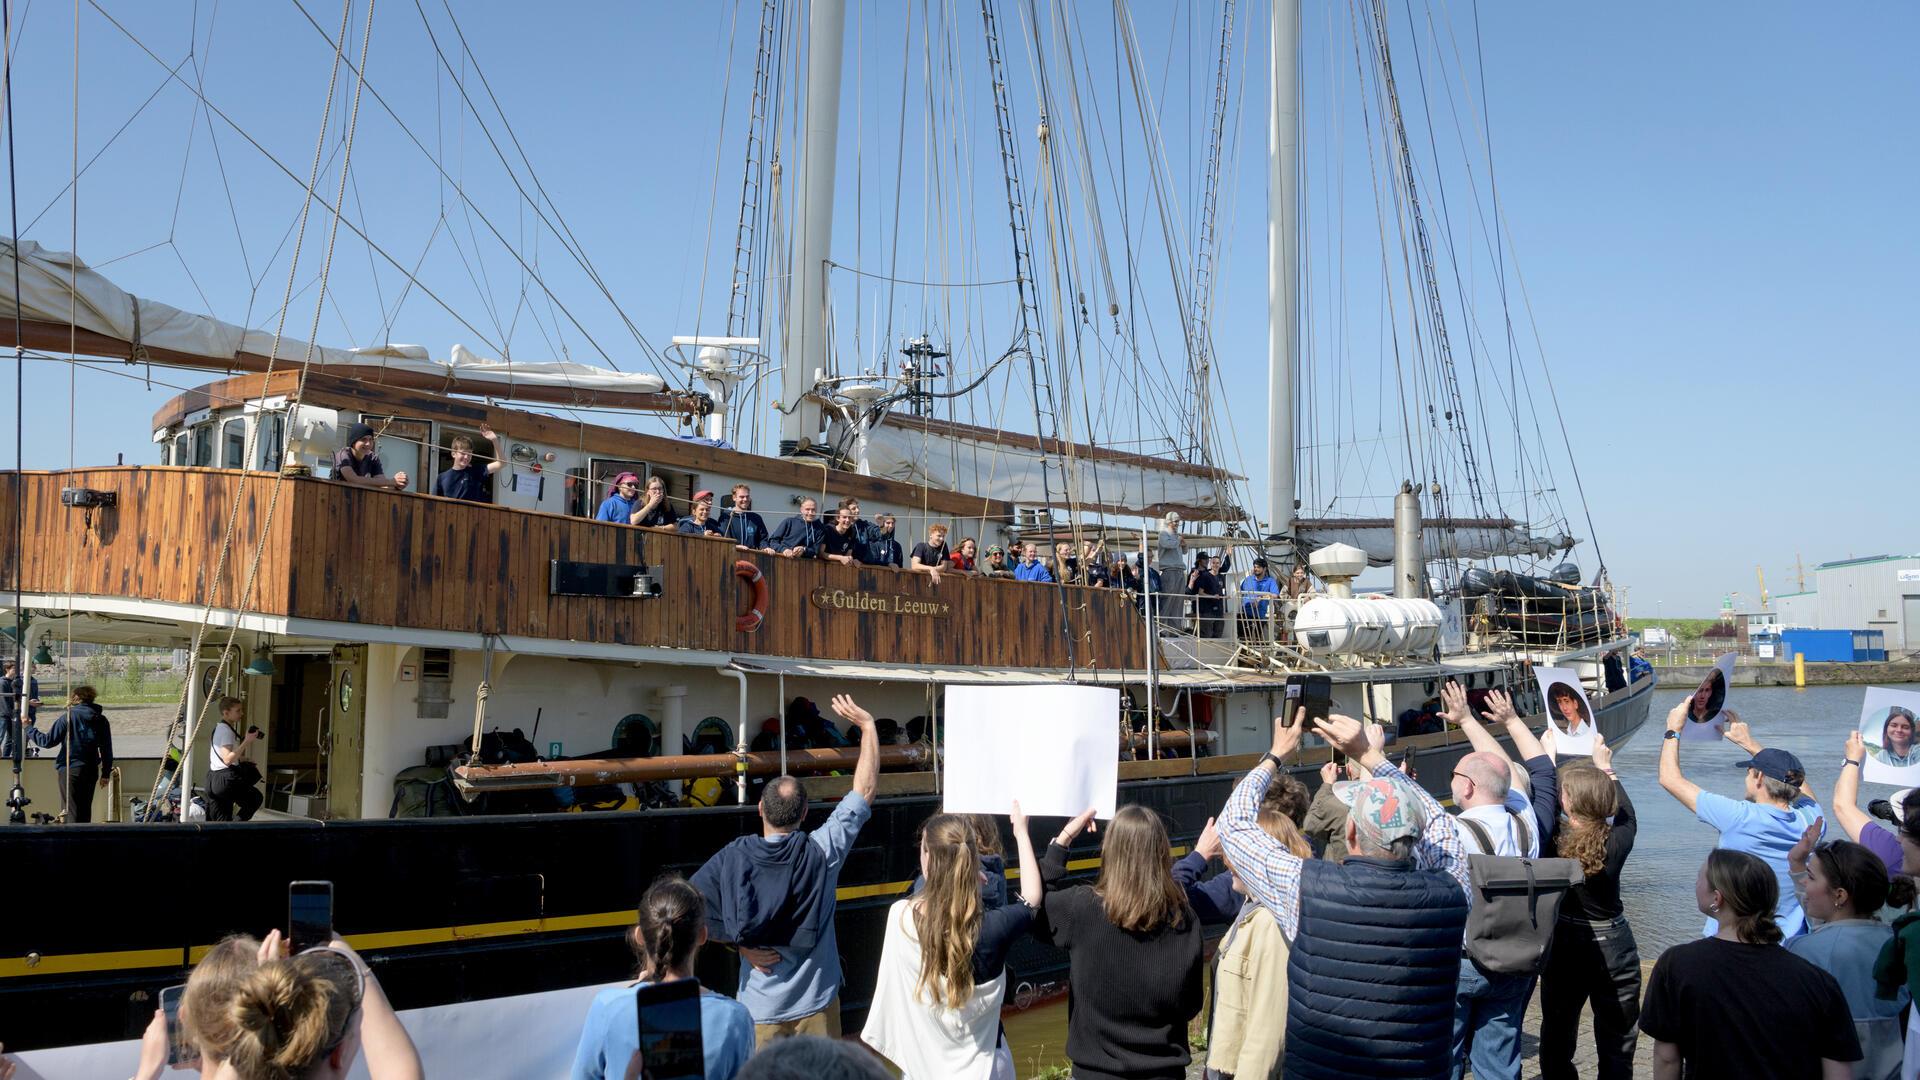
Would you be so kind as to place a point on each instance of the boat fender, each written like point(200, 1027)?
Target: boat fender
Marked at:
point(750, 619)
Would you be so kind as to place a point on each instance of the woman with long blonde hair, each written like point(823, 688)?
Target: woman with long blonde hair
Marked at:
point(943, 960)
point(1135, 978)
point(1594, 959)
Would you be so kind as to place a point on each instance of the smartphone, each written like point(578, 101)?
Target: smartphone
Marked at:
point(1313, 693)
point(670, 1043)
point(309, 914)
point(178, 1050)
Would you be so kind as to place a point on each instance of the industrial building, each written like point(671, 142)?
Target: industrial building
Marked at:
point(1881, 593)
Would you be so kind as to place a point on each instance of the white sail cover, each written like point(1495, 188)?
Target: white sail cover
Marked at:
point(1013, 473)
point(1439, 539)
point(57, 284)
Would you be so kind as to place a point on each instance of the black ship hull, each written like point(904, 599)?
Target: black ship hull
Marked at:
point(449, 910)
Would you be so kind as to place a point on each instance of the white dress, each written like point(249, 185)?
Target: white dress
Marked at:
point(928, 1041)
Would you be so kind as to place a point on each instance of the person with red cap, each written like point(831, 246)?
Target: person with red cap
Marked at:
point(699, 521)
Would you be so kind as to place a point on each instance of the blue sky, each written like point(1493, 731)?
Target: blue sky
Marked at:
point(1707, 207)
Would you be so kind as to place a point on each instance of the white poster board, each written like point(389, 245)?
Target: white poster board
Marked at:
point(1055, 748)
point(1567, 710)
point(1887, 724)
point(1704, 722)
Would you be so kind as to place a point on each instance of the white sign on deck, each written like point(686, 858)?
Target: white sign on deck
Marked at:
point(1055, 748)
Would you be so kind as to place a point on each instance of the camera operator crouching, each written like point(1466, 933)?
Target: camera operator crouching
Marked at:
point(235, 780)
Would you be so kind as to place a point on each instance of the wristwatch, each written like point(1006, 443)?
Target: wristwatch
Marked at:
point(1671, 734)
point(1846, 761)
point(1278, 765)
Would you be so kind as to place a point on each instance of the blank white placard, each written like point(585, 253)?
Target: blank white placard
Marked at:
point(1056, 748)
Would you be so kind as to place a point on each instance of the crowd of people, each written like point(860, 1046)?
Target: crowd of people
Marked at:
point(1365, 930)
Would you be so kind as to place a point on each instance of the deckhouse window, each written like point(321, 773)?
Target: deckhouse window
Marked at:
point(233, 444)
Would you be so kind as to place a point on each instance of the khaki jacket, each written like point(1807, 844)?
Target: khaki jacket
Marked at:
point(1249, 997)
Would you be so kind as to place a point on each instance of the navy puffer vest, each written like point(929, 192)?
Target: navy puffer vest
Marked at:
point(1372, 971)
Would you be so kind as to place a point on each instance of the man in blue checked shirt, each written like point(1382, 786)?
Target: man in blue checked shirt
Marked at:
point(1376, 939)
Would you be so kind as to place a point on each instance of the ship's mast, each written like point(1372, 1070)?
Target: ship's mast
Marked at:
point(805, 349)
point(1283, 270)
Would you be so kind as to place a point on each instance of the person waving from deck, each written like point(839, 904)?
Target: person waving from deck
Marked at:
point(356, 463)
point(468, 478)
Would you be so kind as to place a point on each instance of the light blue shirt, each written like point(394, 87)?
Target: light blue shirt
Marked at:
point(611, 1035)
point(805, 982)
point(1847, 950)
point(1768, 832)
point(1032, 571)
point(1256, 604)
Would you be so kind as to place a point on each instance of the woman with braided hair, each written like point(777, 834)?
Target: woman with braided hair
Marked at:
point(1594, 960)
point(667, 939)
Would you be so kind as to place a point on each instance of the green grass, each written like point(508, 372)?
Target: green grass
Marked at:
point(1684, 631)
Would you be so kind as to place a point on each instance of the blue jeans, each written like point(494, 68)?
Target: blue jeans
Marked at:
point(1488, 1010)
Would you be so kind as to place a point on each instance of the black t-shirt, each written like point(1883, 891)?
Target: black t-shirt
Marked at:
point(658, 517)
point(932, 556)
point(1741, 1011)
point(345, 462)
point(469, 483)
point(1598, 897)
point(836, 542)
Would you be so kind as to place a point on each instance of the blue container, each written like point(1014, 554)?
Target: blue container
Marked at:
point(1835, 646)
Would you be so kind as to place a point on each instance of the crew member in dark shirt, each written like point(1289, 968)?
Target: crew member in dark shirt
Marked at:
point(878, 547)
point(699, 520)
point(1210, 609)
point(16, 696)
point(82, 732)
point(840, 542)
point(356, 463)
point(741, 525)
point(468, 479)
point(799, 537)
point(931, 556)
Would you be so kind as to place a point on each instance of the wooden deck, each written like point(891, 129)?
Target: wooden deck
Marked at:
point(333, 552)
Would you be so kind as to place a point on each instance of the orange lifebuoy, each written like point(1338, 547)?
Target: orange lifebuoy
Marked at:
point(750, 619)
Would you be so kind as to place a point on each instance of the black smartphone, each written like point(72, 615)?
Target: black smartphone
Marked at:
point(1290, 707)
point(1316, 695)
point(669, 1018)
point(178, 1051)
point(309, 914)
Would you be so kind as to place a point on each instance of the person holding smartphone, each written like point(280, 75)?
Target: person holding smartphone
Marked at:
point(667, 938)
point(172, 1039)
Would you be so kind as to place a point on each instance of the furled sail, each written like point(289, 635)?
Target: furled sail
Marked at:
point(1008, 466)
point(113, 322)
point(1464, 538)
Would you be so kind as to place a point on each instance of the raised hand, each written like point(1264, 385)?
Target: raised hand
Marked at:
point(1677, 719)
point(1738, 733)
point(1287, 739)
point(1083, 823)
point(1602, 753)
point(1500, 707)
point(1798, 855)
point(1208, 846)
point(1329, 773)
point(1546, 743)
point(1018, 818)
point(1856, 747)
point(1453, 704)
point(1344, 733)
point(846, 709)
point(1376, 736)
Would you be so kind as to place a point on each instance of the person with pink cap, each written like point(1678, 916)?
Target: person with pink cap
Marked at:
point(699, 520)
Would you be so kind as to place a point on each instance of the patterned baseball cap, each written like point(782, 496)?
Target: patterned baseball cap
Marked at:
point(1382, 810)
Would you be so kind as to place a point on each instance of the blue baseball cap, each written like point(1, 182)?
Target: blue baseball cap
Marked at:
point(1777, 765)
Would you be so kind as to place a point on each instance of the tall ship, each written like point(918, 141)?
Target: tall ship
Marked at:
point(490, 723)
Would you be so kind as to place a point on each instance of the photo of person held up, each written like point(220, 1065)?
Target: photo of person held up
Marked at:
point(1567, 710)
point(1887, 727)
point(1704, 721)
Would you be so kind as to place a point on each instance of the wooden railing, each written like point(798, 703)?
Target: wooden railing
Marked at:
point(345, 554)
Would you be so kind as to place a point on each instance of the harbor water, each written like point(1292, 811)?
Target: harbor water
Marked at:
point(1657, 883)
